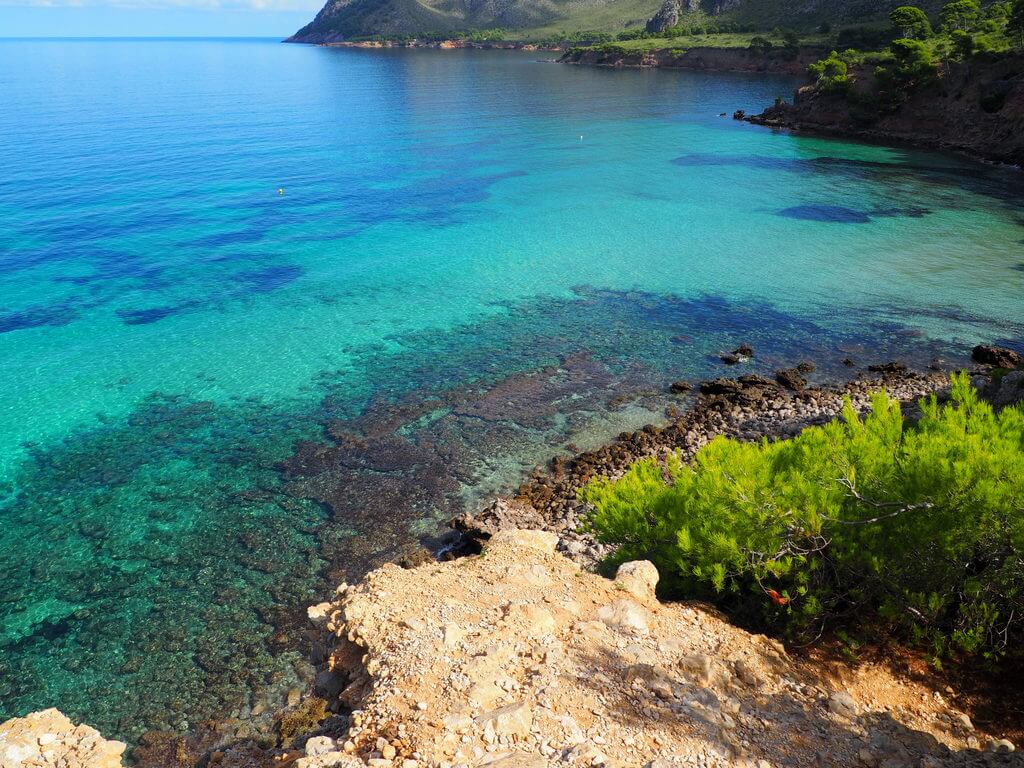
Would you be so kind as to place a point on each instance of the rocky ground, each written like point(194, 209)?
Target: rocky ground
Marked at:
point(520, 659)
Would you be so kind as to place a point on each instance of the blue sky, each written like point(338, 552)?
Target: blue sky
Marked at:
point(131, 18)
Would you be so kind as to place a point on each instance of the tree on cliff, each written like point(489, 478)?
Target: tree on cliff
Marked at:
point(832, 73)
point(960, 14)
point(911, 22)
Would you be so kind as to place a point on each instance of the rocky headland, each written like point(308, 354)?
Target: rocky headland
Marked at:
point(974, 107)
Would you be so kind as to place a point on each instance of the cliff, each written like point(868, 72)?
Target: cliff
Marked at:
point(710, 59)
point(975, 107)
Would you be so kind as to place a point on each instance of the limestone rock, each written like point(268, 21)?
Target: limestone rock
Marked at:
point(624, 614)
point(48, 739)
point(639, 578)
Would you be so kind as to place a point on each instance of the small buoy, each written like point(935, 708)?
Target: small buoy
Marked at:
point(280, 190)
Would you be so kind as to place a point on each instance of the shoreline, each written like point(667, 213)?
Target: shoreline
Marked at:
point(749, 407)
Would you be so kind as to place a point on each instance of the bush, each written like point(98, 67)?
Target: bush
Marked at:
point(831, 73)
point(915, 529)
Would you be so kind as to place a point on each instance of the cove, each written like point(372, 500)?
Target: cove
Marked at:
point(218, 400)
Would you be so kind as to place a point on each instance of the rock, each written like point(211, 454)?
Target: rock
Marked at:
point(747, 673)
point(741, 354)
point(624, 614)
point(499, 515)
point(843, 704)
point(790, 378)
point(639, 578)
point(319, 614)
point(998, 357)
point(1001, 745)
point(891, 368)
point(806, 366)
point(49, 738)
point(514, 720)
point(739, 114)
point(698, 666)
point(515, 761)
point(1007, 390)
point(541, 541)
point(319, 745)
point(679, 387)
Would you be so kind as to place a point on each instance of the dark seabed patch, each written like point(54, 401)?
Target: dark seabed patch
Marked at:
point(835, 214)
point(269, 278)
point(54, 316)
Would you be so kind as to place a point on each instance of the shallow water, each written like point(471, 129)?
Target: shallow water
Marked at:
point(269, 313)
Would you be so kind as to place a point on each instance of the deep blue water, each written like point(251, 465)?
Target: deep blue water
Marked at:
point(436, 267)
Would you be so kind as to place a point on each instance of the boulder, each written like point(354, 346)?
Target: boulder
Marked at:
point(639, 578)
point(998, 357)
point(790, 378)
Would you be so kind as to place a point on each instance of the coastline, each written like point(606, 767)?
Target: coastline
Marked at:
point(749, 407)
point(705, 59)
point(975, 109)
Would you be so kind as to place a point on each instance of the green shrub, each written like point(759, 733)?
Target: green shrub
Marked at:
point(915, 529)
point(831, 73)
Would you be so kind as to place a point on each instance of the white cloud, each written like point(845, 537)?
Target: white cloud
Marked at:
point(213, 5)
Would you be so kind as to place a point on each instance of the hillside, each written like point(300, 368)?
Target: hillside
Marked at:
point(341, 20)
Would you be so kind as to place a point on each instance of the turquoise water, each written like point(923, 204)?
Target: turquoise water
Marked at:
point(218, 399)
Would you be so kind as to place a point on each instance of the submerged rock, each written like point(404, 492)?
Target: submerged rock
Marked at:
point(998, 357)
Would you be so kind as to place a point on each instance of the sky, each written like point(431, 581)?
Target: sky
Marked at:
point(154, 18)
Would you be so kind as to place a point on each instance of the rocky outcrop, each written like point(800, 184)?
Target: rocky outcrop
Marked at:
point(702, 59)
point(48, 739)
point(976, 108)
point(670, 14)
point(999, 357)
point(518, 659)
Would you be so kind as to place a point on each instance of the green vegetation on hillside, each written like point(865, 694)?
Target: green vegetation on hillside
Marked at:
point(868, 523)
point(916, 47)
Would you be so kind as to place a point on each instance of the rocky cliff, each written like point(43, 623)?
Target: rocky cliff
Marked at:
point(975, 107)
point(518, 659)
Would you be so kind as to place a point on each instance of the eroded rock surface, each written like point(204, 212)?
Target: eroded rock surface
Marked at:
point(518, 658)
point(48, 739)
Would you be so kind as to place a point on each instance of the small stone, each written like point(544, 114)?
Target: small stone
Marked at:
point(624, 614)
point(843, 704)
point(319, 745)
point(1001, 745)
